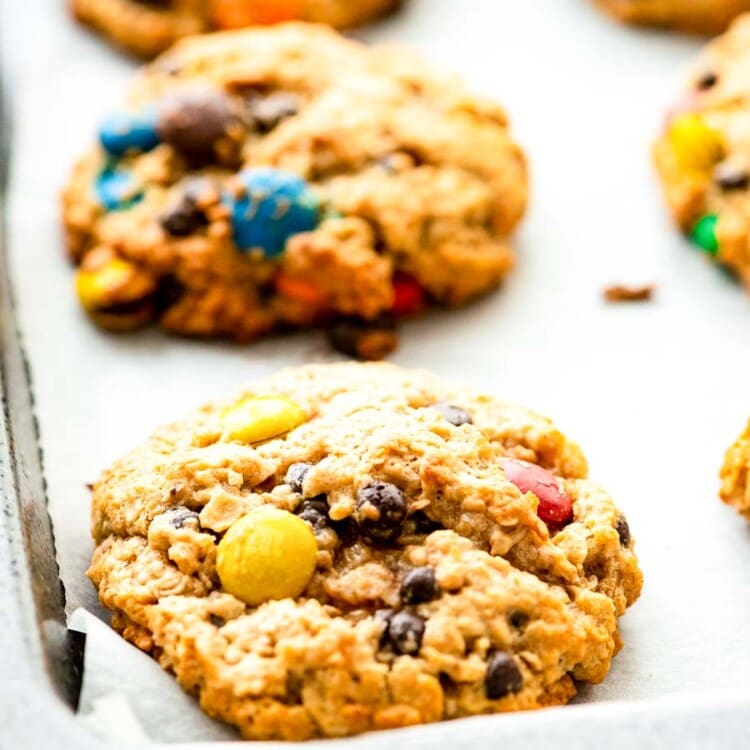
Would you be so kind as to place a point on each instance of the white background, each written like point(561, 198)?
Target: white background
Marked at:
point(653, 392)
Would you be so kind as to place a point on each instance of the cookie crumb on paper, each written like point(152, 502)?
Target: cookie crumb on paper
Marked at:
point(622, 293)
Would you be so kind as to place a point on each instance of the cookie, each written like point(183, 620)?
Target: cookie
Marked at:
point(286, 177)
point(147, 27)
point(703, 157)
point(700, 16)
point(735, 487)
point(354, 546)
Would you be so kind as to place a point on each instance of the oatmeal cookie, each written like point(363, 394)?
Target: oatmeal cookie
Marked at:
point(703, 156)
point(355, 546)
point(265, 179)
point(735, 474)
point(700, 16)
point(147, 27)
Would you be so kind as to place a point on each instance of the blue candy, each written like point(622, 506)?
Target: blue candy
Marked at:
point(276, 205)
point(123, 131)
point(117, 189)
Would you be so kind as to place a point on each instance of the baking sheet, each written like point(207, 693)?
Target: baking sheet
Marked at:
point(654, 392)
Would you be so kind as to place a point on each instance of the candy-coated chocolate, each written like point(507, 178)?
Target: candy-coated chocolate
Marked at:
point(555, 507)
point(301, 290)
point(408, 297)
point(254, 420)
point(121, 132)
point(703, 233)
point(236, 14)
point(117, 189)
point(95, 286)
point(276, 206)
point(267, 554)
point(696, 146)
point(196, 121)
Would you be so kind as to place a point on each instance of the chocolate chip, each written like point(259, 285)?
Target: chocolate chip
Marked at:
point(383, 617)
point(183, 217)
point(168, 292)
point(314, 511)
point(420, 523)
point(217, 621)
point(708, 80)
point(194, 121)
point(454, 414)
point(730, 177)
point(362, 339)
point(295, 475)
point(623, 530)
point(178, 517)
point(503, 676)
point(419, 585)
point(268, 111)
point(518, 619)
point(294, 685)
point(346, 530)
point(405, 632)
point(381, 511)
point(448, 684)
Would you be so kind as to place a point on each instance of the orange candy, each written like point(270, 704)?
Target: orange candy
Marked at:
point(301, 290)
point(236, 14)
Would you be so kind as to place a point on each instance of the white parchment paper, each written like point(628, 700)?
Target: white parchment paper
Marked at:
point(654, 393)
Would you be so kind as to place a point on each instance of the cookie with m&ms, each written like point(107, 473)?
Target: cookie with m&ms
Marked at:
point(735, 474)
point(354, 547)
point(268, 179)
point(147, 27)
point(699, 16)
point(703, 153)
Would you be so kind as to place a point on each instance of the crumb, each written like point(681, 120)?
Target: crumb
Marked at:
point(620, 293)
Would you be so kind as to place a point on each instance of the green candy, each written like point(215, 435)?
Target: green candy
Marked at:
point(704, 234)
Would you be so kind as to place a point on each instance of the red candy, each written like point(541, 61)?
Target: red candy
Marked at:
point(408, 297)
point(555, 507)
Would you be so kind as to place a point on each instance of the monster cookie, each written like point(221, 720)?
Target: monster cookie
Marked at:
point(702, 16)
point(354, 546)
point(147, 27)
point(735, 475)
point(703, 156)
point(266, 179)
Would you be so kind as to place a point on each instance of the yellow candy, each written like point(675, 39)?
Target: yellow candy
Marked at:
point(267, 554)
point(256, 419)
point(95, 287)
point(697, 147)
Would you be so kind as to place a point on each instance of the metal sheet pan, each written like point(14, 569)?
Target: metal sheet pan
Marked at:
point(654, 393)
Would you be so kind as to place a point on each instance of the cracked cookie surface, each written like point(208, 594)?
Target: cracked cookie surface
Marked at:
point(147, 27)
point(451, 557)
point(700, 16)
point(286, 177)
point(703, 155)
